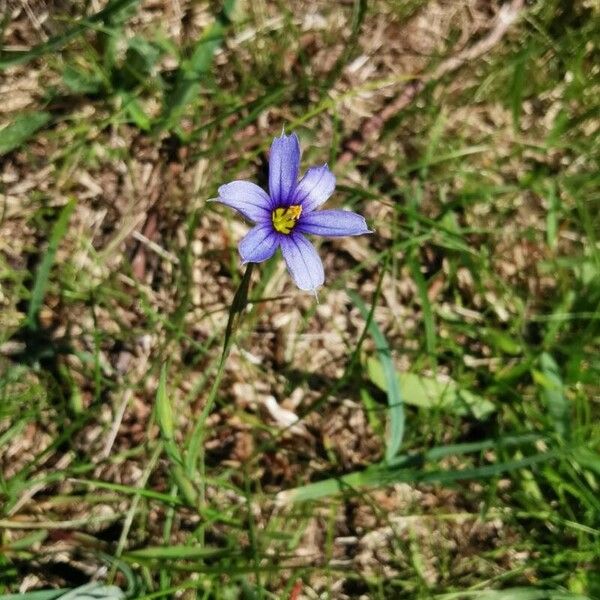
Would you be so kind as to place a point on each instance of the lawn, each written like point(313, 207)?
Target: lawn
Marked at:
point(177, 424)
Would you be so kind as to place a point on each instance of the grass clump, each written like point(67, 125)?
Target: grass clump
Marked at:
point(429, 429)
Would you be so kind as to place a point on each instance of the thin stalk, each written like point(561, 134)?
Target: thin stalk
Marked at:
point(196, 445)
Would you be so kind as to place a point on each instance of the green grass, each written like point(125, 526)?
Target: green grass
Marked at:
point(446, 383)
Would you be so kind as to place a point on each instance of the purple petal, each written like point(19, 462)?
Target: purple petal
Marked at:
point(248, 199)
point(284, 162)
point(332, 223)
point(302, 262)
point(258, 244)
point(314, 188)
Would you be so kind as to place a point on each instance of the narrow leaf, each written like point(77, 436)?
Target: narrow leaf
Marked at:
point(176, 552)
point(94, 591)
point(37, 595)
point(512, 594)
point(194, 69)
point(552, 392)
point(516, 88)
point(135, 111)
point(386, 474)
point(435, 135)
point(118, 487)
point(164, 417)
point(411, 469)
point(392, 386)
point(11, 58)
point(164, 414)
point(432, 393)
point(21, 129)
point(238, 305)
point(81, 82)
point(553, 200)
point(588, 459)
point(428, 319)
point(29, 540)
point(43, 271)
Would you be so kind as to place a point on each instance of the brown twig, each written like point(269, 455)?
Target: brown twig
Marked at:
point(505, 17)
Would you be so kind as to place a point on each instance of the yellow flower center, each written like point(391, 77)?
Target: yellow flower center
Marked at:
point(284, 219)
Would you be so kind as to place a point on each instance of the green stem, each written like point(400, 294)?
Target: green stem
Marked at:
point(196, 445)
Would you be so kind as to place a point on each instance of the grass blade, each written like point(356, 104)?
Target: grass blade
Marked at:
point(239, 303)
point(517, 87)
point(411, 469)
point(21, 129)
point(94, 591)
point(553, 394)
point(131, 491)
point(164, 417)
point(176, 552)
point(433, 393)
point(358, 17)
point(11, 58)
point(38, 595)
point(383, 475)
point(164, 413)
point(394, 396)
point(513, 594)
point(428, 320)
point(192, 70)
point(43, 272)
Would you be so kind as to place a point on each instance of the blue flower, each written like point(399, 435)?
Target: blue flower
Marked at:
point(289, 211)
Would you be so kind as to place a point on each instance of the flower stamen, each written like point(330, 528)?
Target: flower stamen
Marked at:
point(284, 219)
